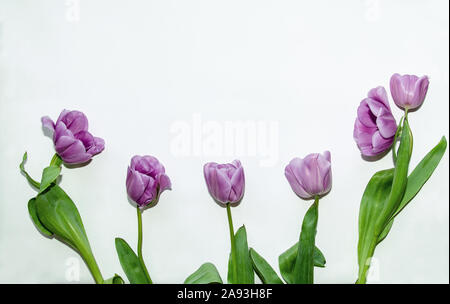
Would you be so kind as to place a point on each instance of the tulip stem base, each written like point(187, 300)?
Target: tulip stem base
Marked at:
point(139, 249)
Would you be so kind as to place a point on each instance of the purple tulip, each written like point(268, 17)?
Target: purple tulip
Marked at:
point(311, 176)
point(375, 125)
point(73, 143)
point(409, 91)
point(146, 180)
point(225, 182)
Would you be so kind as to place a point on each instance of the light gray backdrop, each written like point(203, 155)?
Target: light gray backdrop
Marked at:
point(170, 78)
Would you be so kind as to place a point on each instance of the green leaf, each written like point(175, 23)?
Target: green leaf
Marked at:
point(399, 181)
point(264, 271)
point(244, 266)
point(130, 263)
point(35, 219)
point(372, 203)
point(286, 262)
point(116, 279)
point(49, 175)
point(418, 177)
point(422, 173)
point(319, 258)
point(304, 264)
point(385, 232)
point(206, 274)
point(28, 177)
point(58, 214)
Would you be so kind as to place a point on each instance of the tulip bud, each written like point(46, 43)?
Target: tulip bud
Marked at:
point(409, 91)
point(146, 180)
point(73, 143)
point(225, 182)
point(375, 125)
point(311, 176)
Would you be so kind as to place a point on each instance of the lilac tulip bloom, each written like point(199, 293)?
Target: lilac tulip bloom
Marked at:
point(375, 125)
point(146, 180)
point(409, 91)
point(73, 143)
point(225, 182)
point(311, 176)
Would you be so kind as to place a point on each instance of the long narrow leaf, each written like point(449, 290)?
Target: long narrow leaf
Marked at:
point(372, 203)
point(264, 271)
point(130, 263)
point(245, 274)
point(304, 265)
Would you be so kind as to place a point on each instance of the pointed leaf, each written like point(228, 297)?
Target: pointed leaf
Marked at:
point(27, 176)
point(206, 274)
point(399, 181)
point(264, 271)
point(244, 266)
point(304, 264)
point(130, 263)
point(49, 175)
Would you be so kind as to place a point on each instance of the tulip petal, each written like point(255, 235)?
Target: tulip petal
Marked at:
point(48, 123)
point(135, 185)
point(294, 166)
point(75, 121)
point(75, 153)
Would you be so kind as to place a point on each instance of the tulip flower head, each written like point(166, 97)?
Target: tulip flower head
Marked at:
point(409, 91)
point(375, 126)
point(225, 182)
point(146, 180)
point(73, 143)
point(311, 176)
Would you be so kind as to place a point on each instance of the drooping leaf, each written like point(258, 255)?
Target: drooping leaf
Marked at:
point(244, 268)
point(304, 264)
point(206, 274)
point(35, 219)
point(28, 177)
point(116, 279)
point(264, 271)
point(130, 263)
point(49, 175)
point(58, 214)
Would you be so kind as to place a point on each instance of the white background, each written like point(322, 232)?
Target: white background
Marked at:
point(135, 69)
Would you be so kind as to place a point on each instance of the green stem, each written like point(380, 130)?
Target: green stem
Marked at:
point(364, 268)
point(56, 160)
point(141, 259)
point(399, 129)
point(92, 265)
point(233, 242)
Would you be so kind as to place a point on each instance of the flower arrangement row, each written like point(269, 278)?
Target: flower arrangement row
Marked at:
point(376, 132)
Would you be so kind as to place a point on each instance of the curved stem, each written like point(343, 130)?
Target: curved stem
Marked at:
point(141, 259)
point(232, 240)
